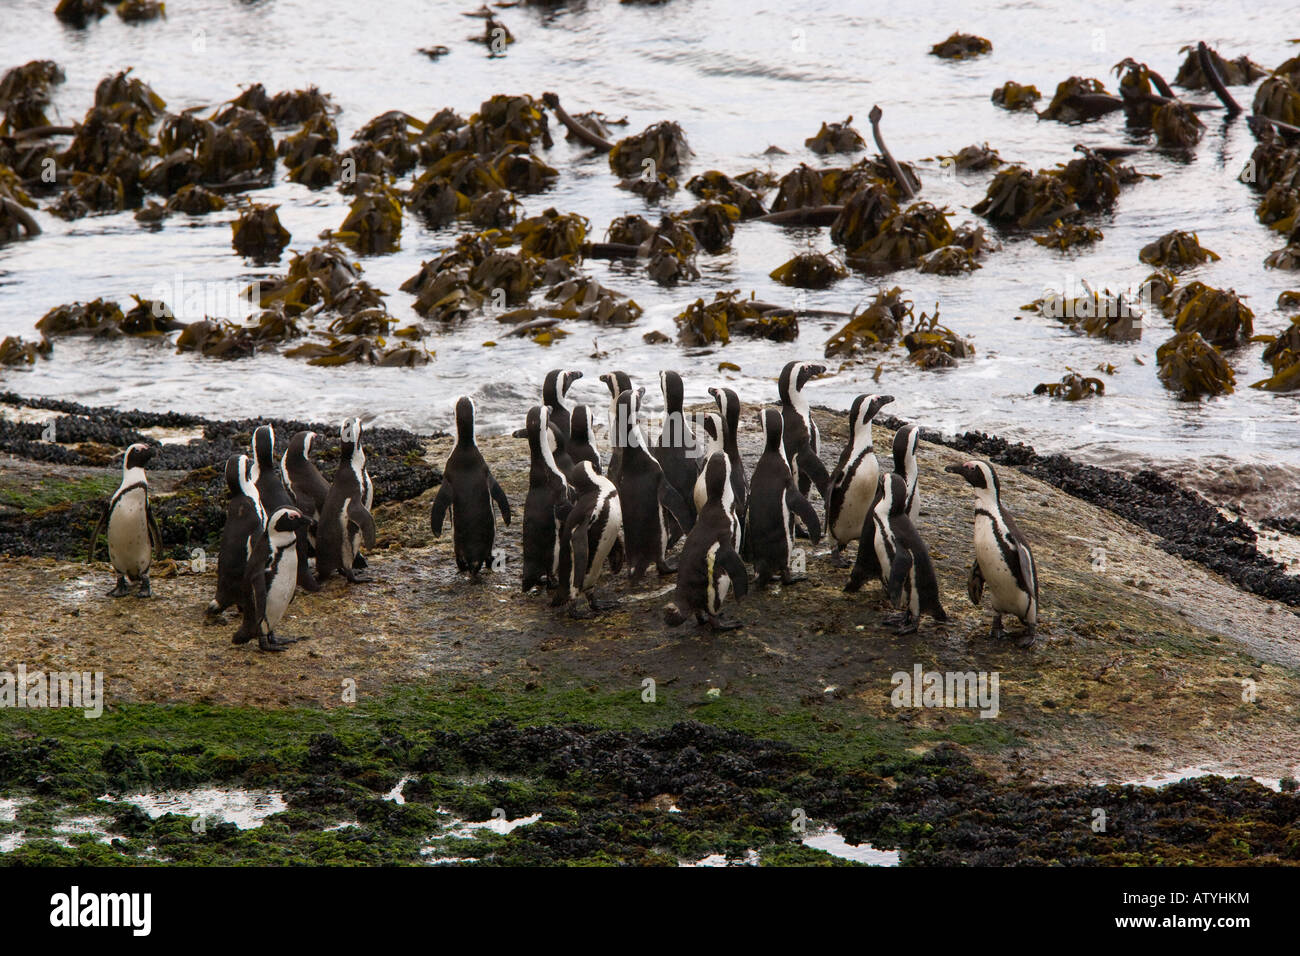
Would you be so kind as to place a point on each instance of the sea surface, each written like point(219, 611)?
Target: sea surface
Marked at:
point(739, 77)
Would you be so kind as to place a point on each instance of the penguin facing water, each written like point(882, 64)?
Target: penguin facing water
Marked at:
point(905, 442)
point(469, 490)
point(580, 448)
point(132, 532)
point(588, 539)
point(729, 408)
point(274, 496)
point(302, 479)
point(855, 479)
point(1003, 560)
point(802, 439)
point(555, 390)
point(345, 524)
point(709, 567)
point(617, 383)
point(774, 500)
point(547, 503)
point(270, 580)
point(675, 447)
point(712, 442)
point(245, 524)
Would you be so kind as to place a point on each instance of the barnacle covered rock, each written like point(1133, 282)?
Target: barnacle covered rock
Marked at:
point(1072, 387)
point(663, 145)
point(1218, 315)
point(1176, 250)
point(876, 327)
point(1012, 96)
point(1193, 367)
point(809, 270)
point(836, 138)
point(961, 46)
point(257, 232)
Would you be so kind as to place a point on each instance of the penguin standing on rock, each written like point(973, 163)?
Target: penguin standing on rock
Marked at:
point(905, 441)
point(547, 503)
point(855, 479)
point(802, 440)
point(588, 538)
point(132, 532)
point(555, 389)
point(469, 490)
point(644, 493)
point(245, 524)
point(1003, 560)
point(709, 566)
point(892, 549)
point(270, 579)
point(345, 524)
point(774, 499)
point(275, 496)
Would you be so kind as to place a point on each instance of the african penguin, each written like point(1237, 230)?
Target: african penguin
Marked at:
point(302, 479)
point(712, 441)
point(245, 523)
point(547, 503)
point(1003, 560)
point(345, 524)
point(469, 490)
point(853, 483)
point(555, 389)
point(644, 493)
point(729, 408)
point(275, 496)
point(905, 441)
point(588, 539)
point(132, 532)
point(709, 565)
point(580, 448)
point(270, 579)
point(617, 383)
point(774, 499)
point(802, 440)
point(675, 447)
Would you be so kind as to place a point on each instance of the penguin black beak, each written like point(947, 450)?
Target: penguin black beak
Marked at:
point(958, 470)
point(519, 433)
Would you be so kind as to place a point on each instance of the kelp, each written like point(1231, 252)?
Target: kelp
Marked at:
point(961, 46)
point(1279, 207)
point(498, 209)
point(931, 345)
point(1283, 353)
point(149, 317)
point(712, 223)
point(1013, 96)
point(862, 216)
point(257, 232)
point(1217, 315)
point(839, 184)
point(317, 137)
point(552, 234)
point(651, 188)
point(1279, 98)
point(373, 321)
point(809, 270)
point(173, 172)
point(1023, 198)
point(100, 140)
point(719, 187)
point(1193, 367)
point(904, 238)
point(1288, 257)
point(238, 145)
point(1289, 299)
point(25, 94)
point(973, 159)
point(512, 273)
point(1072, 387)
point(1157, 287)
point(1099, 313)
point(1239, 72)
point(1176, 125)
point(288, 107)
point(435, 200)
point(338, 351)
point(141, 11)
point(663, 144)
point(444, 295)
point(101, 318)
point(124, 89)
point(710, 323)
point(1091, 181)
point(374, 222)
point(585, 298)
point(631, 230)
point(79, 13)
point(1079, 99)
point(1176, 250)
point(948, 260)
point(275, 325)
point(394, 134)
point(1065, 236)
point(15, 350)
point(836, 138)
point(318, 172)
point(90, 193)
point(800, 188)
point(874, 328)
point(216, 338)
point(525, 173)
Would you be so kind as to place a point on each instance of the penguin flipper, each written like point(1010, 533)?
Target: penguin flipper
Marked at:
point(800, 506)
point(1027, 570)
point(729, 561)
point(811, 465)
point(580, 548)
point(441, 502)
point(365, 523)
point(671, 499)
point(94, 538)
point(899, 568)
point(499, 496)
point(975, 583)
point(155, 536)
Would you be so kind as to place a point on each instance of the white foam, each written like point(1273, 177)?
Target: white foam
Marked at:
point(246, 809)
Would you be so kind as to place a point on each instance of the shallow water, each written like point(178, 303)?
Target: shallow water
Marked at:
point(246, 809)
point(731, 73)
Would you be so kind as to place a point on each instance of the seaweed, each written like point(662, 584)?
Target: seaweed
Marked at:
point(586, 299)
point(949, 260)
point(800, 188)
point(874, 328)
point(1079, 99)
point(1193, 367)
point(374, 221)
point(1278, 98)
point(14, 350)
point(1288, 257)
point(717, 186)
point(1239, 72)
point(961, 46)
point(702, 323)
point(1018, 196)
point(149, 317)
point(1218, 315)
point(663, 145)
point(809, 270)
point(217, 338)
point(904, 238)
point(101, 318)
point(1072, 387)
point(973, 159)
point(1176, 250)
point(836, 138)
point(712, 223)
point(1176, 125)
point(1013, 96)
point(1065, 236)
point(1283, 353)
point(862, 216)
point(1100, 313)
point(194, 200)
point(931, 345)
point(258, 234)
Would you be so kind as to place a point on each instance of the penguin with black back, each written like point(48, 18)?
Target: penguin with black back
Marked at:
point(345, 525)
point(588, 539)
point(617, 383)
point(555, 390)
point(547, 503)
point(274, 496)
point(468, 490)
point(580, 448)
point(245, 524)
point(774, 500)
point(802, 439)
point(855, 479)
point(675, 447)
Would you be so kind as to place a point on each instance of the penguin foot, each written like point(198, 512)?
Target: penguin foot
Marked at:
point(269, 642)
point(1028, 637)
point(241, 637)
point(146, 590)
point(909, 627)
point(995, 632)
point(719, 623)
point(354, 578)
point(309, 583)
point(899, 618)
point(788, 578)
point(122, 589)
point(839, 559)
point(580, 613)
point(359, 562)
point(665, 567)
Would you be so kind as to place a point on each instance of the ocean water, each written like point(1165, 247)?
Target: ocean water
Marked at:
point(739, 77)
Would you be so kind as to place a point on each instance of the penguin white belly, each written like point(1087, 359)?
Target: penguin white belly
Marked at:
point(280, 593)
point(1006, 595)
point(608, 535)
point(128, 535)
point(701, 494)
point(857, 500)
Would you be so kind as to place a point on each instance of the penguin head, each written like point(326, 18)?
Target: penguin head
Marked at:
point(264, 446)
point(794, 377)
point(235, 470)
point(570, 376)
point(284, 525)
point(728, 406)
point(136, 457)
point(582, 476)
point(865, 408)
point(773, 425)
point(905, 440)
point(670, 383)
point(534, 422)
point(617, 383)
point(465, 420)
point(350, 431)
point(579, 424)
point(627, 407)
point(300, 444)
point(715, 431)
point(979, 475)
point(717, 476)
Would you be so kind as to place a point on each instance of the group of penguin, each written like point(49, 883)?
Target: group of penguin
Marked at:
point(276, 520)
point(579, 519)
